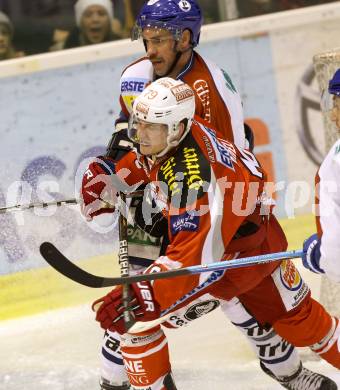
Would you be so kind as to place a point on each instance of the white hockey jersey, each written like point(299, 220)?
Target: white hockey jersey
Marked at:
point(328, 220)
point(217, 100)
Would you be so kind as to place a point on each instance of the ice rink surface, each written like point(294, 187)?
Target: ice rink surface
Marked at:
point(59, 350)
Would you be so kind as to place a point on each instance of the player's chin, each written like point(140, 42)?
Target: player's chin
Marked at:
point(160, 69)
point(145, 149)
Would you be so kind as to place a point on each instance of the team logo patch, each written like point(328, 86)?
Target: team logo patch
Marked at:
point(184, 222)
point(200, 309)
point(142, 108)
point(182, 92)
point(290, 276)
point(184, 5)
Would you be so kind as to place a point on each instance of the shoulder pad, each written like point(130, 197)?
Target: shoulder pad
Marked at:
point(135, 78)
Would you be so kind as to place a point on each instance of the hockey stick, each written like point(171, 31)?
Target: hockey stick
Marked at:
point(63, 265)
point(141, 326)
point(22, 207)
point(57, 203)
point(123, 256)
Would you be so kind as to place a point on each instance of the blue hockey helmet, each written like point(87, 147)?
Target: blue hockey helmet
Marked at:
point(173, 15)
point(328, 94)
point(334, 84)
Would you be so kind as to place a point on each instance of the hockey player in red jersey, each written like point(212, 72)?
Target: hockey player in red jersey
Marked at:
point(204, 176)
point(170, 31)
point(322, 250)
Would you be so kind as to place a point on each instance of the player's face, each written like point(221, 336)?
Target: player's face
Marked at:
point(152, 137)
point(5, 41)
point(335, 112)
point(95, 24)
point(160, 49)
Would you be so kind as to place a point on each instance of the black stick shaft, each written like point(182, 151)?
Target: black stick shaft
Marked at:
point(124, 260)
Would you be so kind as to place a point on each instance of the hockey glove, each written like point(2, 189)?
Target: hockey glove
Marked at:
point(311, 254)
point(98, 193)
point(143, 307)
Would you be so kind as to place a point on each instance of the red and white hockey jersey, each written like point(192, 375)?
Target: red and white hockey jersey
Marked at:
point(328, 219)
point(224, 186)
point(217, 100)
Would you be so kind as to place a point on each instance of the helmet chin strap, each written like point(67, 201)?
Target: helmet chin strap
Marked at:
point(173, 139)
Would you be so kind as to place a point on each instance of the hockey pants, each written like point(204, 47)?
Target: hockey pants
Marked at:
point(282, 300)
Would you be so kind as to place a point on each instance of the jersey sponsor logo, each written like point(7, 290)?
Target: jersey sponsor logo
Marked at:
point(182, 92)
point(209, 147)
point(200, 309)
point(224, 150)
point(290, 286)
point(177, 321)
point(184, 222)
point(170, 177)
point(133, 85)
point(184, 5)
point(290, 276)
point(191, 172)
point(140, 237)
point(136, 372)
point(202, 91)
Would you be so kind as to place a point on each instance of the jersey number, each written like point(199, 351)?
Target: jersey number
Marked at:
point(251, 163)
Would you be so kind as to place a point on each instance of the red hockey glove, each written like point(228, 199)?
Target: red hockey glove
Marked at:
point(98, 193)
point(142, 305)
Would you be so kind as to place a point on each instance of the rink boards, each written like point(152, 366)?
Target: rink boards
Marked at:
point(38, 290)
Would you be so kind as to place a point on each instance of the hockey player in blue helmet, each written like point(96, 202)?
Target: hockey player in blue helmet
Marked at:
point(322, 249)
point(170, 30)
point(176, 17)
point(330, 100)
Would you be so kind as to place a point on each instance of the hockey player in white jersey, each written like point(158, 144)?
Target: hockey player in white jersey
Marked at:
point(322, 250)
point(170, 30)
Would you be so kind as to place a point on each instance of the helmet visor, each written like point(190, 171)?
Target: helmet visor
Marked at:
point(135, 126)
point(132, 129)
point(137, 30)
